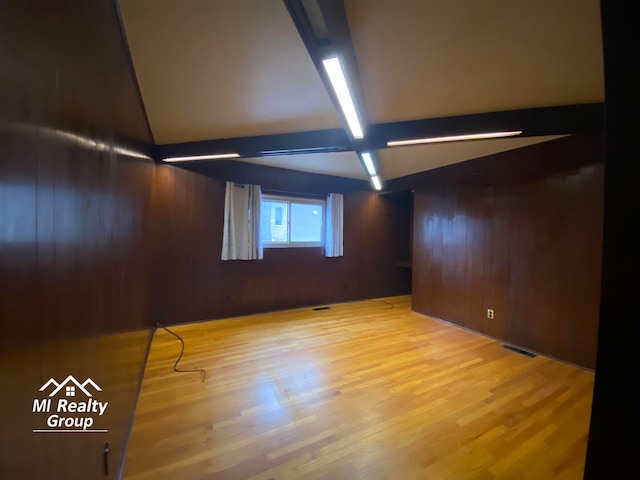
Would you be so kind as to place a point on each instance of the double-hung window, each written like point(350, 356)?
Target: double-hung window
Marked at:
point(287, 222)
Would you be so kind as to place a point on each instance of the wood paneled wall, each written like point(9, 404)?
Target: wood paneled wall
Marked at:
point(194, 284)
point(96, 246)
point(75, 226)
point(519, 232)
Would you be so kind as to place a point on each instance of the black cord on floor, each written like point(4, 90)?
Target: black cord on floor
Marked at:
point(389, 305)
point(175, 365)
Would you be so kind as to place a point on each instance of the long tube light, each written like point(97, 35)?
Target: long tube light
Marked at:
point(376, 182)
point(201, 157)
point(339, 83)
point(455, 138)
point(368, 162)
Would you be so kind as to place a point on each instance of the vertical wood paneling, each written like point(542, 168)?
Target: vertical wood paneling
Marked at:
point(74, 229)
point(194, 284)
point(473, 247)
point(518, 232)
point(497, 265)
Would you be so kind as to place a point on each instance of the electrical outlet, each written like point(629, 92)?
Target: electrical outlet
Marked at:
point(490, 313)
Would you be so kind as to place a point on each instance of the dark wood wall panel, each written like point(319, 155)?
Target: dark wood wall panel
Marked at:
point(75, 230)
point(193, 283)
point(519, 232)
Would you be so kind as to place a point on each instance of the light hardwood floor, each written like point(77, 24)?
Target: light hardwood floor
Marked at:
point(365, 390)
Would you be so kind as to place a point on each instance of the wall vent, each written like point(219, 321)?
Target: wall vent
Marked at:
point(520, 351)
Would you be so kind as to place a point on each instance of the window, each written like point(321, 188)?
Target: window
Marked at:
point(287, 222)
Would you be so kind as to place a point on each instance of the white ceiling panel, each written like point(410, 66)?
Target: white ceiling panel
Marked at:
point(341, 164)
point(438, 58)
point(224, 68)
point(214, 69)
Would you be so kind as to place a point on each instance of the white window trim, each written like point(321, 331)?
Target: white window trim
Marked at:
point(294, 199)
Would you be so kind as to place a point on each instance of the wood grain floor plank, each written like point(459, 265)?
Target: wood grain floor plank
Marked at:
point(364, 390)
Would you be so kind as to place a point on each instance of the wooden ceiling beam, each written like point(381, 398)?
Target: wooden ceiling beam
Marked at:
point(563, 120)
point(315, 141)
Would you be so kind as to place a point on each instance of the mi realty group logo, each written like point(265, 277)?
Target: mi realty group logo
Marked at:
point(70, 407)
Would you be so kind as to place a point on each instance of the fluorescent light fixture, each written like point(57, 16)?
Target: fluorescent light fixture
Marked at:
point(376, 182)
point(339, 84)
point(455, 138)
point(368, 162)
point(201, 157)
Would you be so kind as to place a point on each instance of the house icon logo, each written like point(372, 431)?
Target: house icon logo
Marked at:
point(67, 413)
point(70, 390)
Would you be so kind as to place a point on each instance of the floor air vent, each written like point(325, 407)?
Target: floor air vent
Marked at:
point(321, 308)
point(521, 352)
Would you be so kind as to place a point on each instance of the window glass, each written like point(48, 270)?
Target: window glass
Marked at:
point(291, 222)
point(306, 222)
point(273, 222)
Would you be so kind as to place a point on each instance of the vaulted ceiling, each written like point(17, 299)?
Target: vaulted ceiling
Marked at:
point(214, 72)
